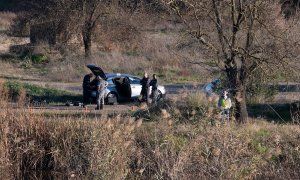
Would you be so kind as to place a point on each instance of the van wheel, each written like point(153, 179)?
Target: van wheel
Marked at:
point(112, 98)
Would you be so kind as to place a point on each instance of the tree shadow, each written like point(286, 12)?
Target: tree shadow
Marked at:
point(14, 5)
point(279, 113)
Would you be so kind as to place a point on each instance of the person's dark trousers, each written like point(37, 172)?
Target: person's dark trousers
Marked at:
point(145, 95)
point(86, 97)
point(154, 97)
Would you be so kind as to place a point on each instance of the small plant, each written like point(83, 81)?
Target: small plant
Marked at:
point(39, 58)
point(14, 89)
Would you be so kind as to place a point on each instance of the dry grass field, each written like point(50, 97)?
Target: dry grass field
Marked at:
point(180, 139)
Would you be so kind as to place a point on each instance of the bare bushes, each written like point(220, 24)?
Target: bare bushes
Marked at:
point(255, 150)
point(191, 108)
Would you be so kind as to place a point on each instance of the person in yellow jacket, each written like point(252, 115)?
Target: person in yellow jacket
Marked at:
point(225, 104)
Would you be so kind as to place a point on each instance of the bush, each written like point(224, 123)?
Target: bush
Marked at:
point(15, 91)
point(18, 91)
point(258, 89)
point(49, 94)
point(39, 58)
point(192, 108)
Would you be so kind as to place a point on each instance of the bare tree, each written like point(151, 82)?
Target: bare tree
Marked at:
point(239, 37)
point(72, 17)
point(92, 10)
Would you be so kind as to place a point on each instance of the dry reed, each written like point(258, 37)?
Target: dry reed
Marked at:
point(125, 148)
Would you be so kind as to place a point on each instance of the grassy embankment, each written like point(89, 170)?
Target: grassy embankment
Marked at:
point(24, 91)
point(183, 141)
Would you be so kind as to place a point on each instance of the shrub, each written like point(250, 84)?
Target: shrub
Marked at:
point(15, 90)
point(39, 58)
point(258, 89)
point(18, 92)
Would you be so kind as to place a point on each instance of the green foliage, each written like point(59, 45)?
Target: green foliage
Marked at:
point(176, 141)
point(39, 93)
point(49, 94)
point(259, 141)
point(24, 54)
point(39, 58)
point(14, 89)
point(259, 89)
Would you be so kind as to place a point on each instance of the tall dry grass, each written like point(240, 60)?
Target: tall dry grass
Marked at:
point(256, 150)
point(85, 147)
point(81, 148)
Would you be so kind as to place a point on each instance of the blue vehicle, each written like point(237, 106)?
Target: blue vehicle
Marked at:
point(121, 87)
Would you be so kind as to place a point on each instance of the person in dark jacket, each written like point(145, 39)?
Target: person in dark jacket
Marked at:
point(99, 85)
point(154, 85)
point(87, 89)
point(145, 82)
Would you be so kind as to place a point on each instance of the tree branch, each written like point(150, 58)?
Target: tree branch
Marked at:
point(220, 29)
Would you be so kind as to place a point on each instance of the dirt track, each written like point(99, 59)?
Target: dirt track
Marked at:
point(123, 108)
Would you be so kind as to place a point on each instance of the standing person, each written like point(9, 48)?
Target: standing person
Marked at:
point(100, 86)
point(154, 84)
point(225, 105)
point(211, 91)
point(86, 86)
point(145, 82)
point(212, 87)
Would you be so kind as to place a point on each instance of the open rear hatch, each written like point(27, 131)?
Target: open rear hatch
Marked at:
point(97, 71)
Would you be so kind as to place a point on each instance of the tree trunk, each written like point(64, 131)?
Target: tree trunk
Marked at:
point(237, 84)
point(87, 40)
point(241, 113)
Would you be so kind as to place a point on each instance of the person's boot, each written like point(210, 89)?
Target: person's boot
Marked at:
point(97, 108)
point(101, 106)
